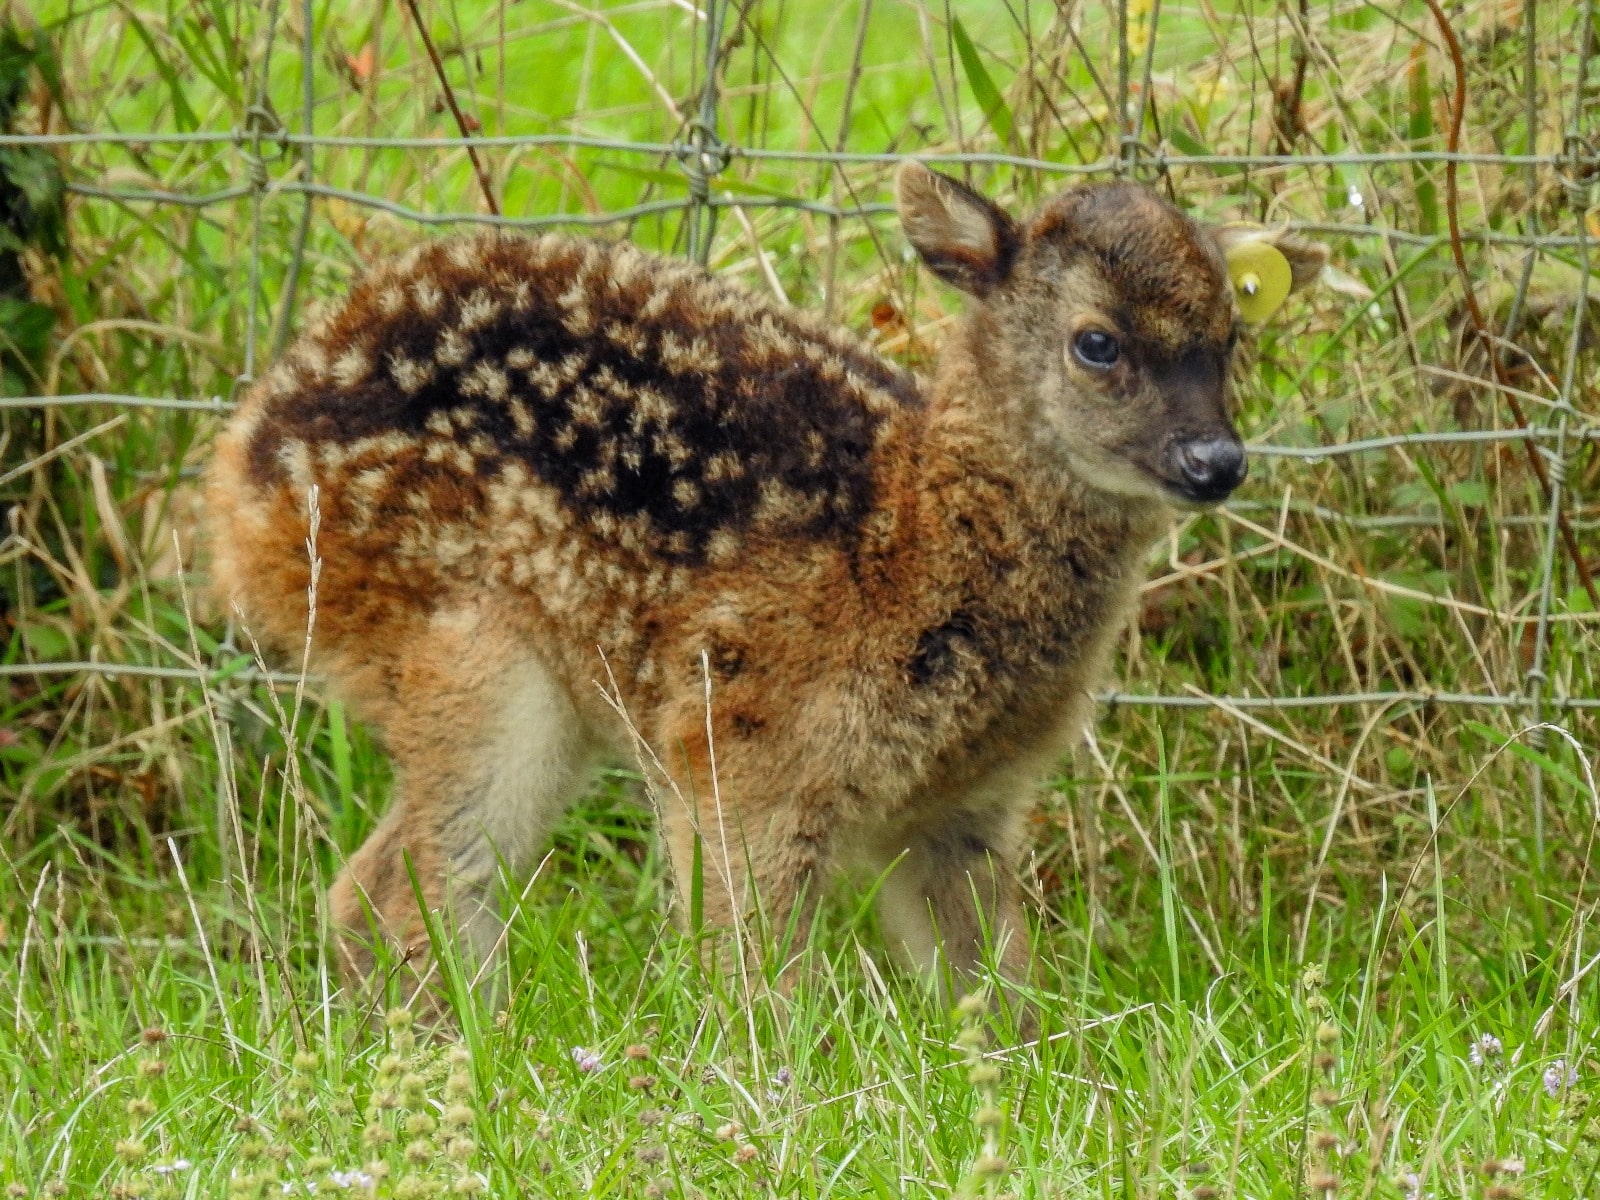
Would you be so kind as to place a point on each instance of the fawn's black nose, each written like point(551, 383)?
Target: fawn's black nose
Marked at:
point(1211, 466)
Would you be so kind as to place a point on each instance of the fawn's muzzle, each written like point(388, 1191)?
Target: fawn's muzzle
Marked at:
point(1209, 467)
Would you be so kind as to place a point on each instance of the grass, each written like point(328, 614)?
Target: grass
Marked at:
point(1272, 941)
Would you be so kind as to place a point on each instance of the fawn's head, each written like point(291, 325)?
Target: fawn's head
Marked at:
point(1116, 311)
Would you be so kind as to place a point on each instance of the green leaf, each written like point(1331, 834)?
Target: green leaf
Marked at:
point(1469, 493)
point(45, 643)
point(32, 194)
point(1528, 754)
point(24, 328)
point(182, 113)
point(983, 88)
point(339, 744)
point(1420, 129)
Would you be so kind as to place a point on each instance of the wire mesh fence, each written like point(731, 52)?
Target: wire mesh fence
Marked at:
point(282, 162)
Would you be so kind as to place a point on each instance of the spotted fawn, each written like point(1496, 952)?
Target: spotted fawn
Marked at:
point(578, 501)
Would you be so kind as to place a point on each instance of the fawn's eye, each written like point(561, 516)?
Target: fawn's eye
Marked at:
point(1096, 348)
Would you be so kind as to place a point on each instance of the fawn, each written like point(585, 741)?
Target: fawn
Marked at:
point(853, 615)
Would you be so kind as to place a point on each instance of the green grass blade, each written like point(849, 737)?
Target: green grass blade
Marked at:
point(993, 104)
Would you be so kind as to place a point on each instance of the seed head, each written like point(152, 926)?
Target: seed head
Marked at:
point(1327, 1033)
point(745, 1154)
point(638, 1052)
point(973, 1005)
point(971, 1038)
point(153, 1036)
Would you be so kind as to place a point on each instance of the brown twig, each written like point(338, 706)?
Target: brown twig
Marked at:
point(1286, 120)
point(1480, 327)
point(455, 109)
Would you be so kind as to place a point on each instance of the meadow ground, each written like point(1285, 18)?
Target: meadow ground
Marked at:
point(1314, 949)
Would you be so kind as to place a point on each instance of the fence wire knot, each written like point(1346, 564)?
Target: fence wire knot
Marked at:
point(1579, 167)
point(702, 156)
point(261, 124)
point(1555, 463)
point(1141, 161)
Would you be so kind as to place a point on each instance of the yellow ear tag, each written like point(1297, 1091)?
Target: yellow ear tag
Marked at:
point(1261, 278)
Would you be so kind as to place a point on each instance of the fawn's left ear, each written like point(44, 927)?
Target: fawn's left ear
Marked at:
point(1266, 265)
point(965, 238)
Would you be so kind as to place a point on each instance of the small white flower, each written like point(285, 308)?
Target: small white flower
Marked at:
point(1354, 196)
point(1486, 1049)
point(588, 1061)
point(1558, 1077)
point(173, 1167)
point(1411, 1185)
point(351, 1179)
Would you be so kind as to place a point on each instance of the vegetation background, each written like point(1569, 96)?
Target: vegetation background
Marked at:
point(1318, 925)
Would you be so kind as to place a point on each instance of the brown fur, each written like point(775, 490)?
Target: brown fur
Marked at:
point(546, 465)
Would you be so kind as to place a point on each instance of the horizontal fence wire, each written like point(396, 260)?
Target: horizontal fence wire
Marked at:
point(702, 156)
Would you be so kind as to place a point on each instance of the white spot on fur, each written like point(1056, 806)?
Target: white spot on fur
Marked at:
point(410, 376)
point(478, 311)
point(351, 367)
point(486, 379)
point(428, 295)
point(452, 349)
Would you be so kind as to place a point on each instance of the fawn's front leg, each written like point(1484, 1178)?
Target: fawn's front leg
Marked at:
point(950, 896)
point(763, 844)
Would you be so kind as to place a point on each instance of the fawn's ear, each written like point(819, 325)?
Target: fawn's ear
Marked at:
point(965, 238)
point(1266, 265)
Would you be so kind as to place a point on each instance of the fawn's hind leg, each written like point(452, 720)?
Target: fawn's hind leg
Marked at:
point(951, 893)
point(489, 751)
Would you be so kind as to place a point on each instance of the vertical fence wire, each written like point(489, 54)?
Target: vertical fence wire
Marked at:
point(1577, 190)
